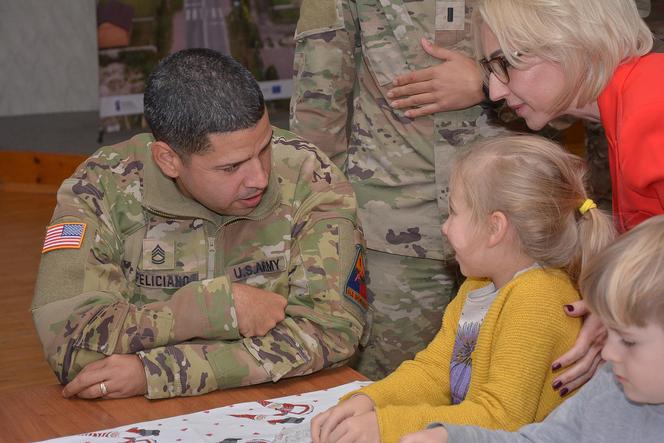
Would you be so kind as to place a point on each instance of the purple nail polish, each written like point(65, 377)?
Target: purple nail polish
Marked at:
point(569, 308)
point(557, 384)
point(563, 392)
point(555, 366)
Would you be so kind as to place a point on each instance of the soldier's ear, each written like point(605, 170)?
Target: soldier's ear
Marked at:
point(166, 158)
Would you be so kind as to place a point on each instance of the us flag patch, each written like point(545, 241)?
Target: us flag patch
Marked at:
point(64, 236)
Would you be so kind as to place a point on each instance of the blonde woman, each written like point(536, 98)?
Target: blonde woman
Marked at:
point(522, 227)
point(588, 59)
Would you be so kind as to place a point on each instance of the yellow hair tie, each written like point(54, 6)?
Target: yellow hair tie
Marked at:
point(587, 206)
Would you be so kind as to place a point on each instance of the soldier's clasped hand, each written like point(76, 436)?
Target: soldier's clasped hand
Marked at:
point(257, 310)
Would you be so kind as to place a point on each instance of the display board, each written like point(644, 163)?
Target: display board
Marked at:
point(133, 35)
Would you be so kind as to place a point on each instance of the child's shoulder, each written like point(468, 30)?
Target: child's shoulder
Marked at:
point(544, 283)
point(537, 296)
point(541, 276)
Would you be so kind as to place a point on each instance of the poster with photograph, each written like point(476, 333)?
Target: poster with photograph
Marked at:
point(133, 35)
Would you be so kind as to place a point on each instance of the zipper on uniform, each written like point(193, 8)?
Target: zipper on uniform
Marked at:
point(211, 247)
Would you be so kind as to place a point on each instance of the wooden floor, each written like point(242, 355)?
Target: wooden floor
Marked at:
point(24, 213)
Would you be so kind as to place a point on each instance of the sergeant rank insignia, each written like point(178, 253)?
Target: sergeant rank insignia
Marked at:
point(158, 254)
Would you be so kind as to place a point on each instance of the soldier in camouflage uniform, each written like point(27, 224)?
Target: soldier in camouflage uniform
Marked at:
point(348, 53)
point(217, 252)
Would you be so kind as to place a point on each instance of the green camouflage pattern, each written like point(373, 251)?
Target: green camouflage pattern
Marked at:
point(399, 167)
point(154, 273)
point(403, 325)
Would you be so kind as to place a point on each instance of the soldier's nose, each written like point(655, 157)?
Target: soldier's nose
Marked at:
point(257, 176)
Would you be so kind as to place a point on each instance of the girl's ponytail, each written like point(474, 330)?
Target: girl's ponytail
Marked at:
point(596, 231)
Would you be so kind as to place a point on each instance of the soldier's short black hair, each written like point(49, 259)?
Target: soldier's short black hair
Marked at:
point(196, 92)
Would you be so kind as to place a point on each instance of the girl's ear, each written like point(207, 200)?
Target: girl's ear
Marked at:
point(498, 227)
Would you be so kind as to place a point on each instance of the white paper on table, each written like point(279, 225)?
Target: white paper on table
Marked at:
point(282, 420)
point(294, 434)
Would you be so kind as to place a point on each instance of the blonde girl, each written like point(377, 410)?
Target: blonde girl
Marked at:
point(625, 399)
point(522, 228)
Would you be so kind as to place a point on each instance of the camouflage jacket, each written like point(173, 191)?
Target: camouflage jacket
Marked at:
point(399, 167)
point(153, 272)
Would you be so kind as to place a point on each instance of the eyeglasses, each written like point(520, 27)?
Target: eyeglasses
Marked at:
point(498, 67)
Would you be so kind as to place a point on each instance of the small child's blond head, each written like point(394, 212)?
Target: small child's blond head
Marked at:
point(624, 284)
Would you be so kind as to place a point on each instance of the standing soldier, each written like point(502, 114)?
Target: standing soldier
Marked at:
point(395, 144)
point(217, 251)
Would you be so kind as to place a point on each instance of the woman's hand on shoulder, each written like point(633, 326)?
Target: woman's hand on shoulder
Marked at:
point(583, 359)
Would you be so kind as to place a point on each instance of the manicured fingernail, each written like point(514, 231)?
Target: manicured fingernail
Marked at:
point(556, 366)
point(569, 308)
point(390, 94)
point(563, 392)
point(557, 384)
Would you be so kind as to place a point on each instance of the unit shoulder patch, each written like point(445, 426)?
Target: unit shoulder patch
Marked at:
point(356, 287)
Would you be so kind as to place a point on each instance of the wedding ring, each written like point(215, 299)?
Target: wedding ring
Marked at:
point(104, 390)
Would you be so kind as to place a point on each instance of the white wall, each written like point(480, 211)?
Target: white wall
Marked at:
point(48, 56)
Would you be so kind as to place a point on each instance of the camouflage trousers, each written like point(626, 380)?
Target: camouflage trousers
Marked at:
point(409, 297)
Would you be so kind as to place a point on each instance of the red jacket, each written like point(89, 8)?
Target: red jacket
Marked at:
point(632, 112)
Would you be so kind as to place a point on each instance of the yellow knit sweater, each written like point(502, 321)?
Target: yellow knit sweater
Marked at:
point(523, 332)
